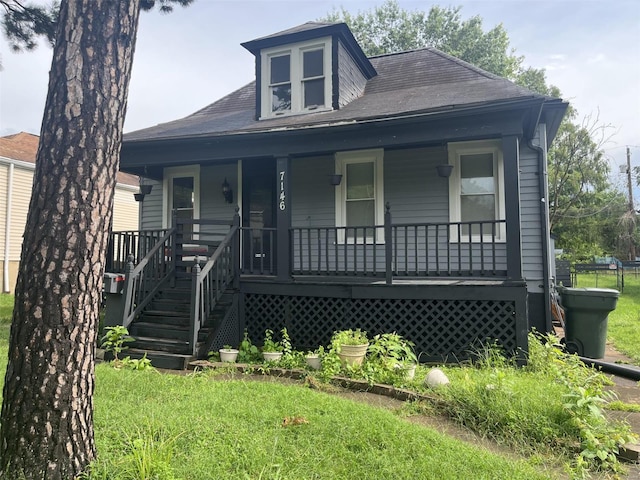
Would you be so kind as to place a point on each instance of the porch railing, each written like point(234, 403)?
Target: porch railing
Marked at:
point(458, 249)
point(259, 247)
point(211, 281)
point(132, 242)
point(144, 280)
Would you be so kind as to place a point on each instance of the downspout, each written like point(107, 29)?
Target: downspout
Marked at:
point(7, 232)
point(544, 221)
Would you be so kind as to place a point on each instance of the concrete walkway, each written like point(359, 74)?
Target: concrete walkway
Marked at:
point(628, 391)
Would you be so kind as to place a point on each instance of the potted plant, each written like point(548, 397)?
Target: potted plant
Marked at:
point(271, 350)
point(314, 359)
point(350, 345)
point(395, 352)
point(228, 354)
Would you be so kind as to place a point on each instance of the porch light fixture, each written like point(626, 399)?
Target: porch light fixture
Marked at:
point(227, 193)
point(444, 170)
point(144, 188)
point(335, 179)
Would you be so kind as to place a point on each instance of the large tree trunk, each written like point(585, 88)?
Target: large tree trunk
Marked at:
point(47, 409)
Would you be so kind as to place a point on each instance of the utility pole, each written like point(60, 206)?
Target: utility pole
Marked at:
point(632, 211)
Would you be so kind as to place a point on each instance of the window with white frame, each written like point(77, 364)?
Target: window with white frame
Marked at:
point(359, 197)
point(476, 193)
point(296, 78)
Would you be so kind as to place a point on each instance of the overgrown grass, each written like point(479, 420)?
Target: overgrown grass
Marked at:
point(624, 322)
point(152, 425)
point(234, 429)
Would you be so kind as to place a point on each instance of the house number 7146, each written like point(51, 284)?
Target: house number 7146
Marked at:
point(282, 196)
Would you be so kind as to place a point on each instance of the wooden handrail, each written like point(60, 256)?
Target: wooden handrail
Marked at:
point(210, 282)
point(145, 279)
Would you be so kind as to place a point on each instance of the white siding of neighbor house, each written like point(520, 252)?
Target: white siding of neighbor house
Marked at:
point(125, 213)
point(125, 209)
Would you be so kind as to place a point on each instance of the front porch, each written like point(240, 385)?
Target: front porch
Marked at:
point(446, 296)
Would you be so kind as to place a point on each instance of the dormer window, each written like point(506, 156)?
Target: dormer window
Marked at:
point(296, 79)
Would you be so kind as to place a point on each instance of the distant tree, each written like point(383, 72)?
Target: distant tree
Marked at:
point(578, 171)
point(389, 28)
point(46, 421)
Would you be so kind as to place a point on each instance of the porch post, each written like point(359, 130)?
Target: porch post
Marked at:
point(283, 217)
point(511, 157)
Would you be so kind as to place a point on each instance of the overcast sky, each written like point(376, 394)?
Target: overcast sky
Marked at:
point(190, 58)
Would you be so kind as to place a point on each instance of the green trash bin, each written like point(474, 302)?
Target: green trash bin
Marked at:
point(586, 315)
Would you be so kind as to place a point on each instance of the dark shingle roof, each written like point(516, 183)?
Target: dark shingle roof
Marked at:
point(413, 82)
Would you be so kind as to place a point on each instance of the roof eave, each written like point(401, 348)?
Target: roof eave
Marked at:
point(443, 112)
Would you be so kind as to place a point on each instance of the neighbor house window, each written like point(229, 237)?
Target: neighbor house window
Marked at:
point(296, 78)
point(476, 193)
point(359, 197)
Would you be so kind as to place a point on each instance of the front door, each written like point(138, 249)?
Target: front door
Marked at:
point(259, 215)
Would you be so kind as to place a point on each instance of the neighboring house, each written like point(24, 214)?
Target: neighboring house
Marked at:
point(17, 163)
point(404, 192)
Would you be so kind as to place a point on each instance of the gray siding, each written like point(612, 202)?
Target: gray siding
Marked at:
point(351, 81)
point(531, 227)
point(416, 195)
point(212, 203)
point(151, 217)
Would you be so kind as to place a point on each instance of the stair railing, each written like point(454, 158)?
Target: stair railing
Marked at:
point(209, 283)
point(144, 280)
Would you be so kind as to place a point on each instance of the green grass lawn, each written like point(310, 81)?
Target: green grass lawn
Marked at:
point(624, 322)
point(152, 425)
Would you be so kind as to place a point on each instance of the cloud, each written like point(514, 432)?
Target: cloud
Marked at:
point(599, 58)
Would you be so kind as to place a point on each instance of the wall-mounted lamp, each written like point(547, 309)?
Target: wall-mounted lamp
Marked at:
point(227, 193)
point(335, 179)
point(144, 188)
point(444, 170)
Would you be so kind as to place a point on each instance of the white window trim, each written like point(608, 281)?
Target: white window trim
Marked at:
point(296, 53)
point(342, 159)
point(456, 150)
point(167, 205)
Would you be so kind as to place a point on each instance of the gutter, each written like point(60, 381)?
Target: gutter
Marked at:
point(7, 231)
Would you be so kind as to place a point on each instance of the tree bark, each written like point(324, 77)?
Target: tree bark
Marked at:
point(47, 409)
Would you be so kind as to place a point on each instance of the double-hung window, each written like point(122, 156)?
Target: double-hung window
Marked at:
point(359, 197)
point(476, 193)
point(296, 79)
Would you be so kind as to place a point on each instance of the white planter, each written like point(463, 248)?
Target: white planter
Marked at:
point(228, 354)
point(314, 361)
point(410, 372)
point(272, 356)
point(353, 354)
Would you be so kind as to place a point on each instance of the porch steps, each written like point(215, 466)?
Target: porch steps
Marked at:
point(162, 330)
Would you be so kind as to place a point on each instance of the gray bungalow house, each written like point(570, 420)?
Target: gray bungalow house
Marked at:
point(403, 192)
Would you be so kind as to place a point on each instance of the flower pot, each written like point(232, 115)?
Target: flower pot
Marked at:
point(314, 361)
point(228, 354)
point(272, 356)
point(353, 354)
point(409, 371)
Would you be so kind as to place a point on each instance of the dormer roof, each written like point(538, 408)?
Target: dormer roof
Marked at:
point(309, 31)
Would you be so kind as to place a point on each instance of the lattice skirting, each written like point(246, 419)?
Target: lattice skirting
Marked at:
point(228, 332)
point(443, 330)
